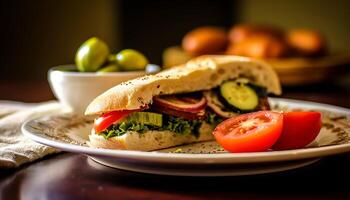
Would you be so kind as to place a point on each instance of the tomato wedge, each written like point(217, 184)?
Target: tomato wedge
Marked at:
point(107, 119)
point(299, 130)
point(250, 132)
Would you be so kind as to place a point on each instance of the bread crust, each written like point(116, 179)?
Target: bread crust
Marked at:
point(201, 73)
point(151, 140)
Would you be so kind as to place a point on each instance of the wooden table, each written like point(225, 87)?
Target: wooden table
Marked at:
point(74, 176)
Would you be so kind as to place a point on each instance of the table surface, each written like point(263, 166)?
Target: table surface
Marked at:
point(74, 176)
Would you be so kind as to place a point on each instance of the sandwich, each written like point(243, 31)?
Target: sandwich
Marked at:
point(180, 105)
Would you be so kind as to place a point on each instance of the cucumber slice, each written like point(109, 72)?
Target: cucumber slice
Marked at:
point(239, 95)
point(147, 118)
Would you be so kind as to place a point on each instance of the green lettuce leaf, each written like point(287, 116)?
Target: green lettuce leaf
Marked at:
point(175, 124)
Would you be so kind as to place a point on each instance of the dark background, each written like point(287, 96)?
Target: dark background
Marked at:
point(42, 34)
point(37, 35)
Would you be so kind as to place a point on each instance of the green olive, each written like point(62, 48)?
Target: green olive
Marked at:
point(129, 59)
point(109, 68)
point(91, 55)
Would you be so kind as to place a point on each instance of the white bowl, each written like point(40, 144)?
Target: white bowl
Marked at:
point(75, 90)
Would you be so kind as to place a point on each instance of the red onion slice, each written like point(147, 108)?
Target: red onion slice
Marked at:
point(186, 104)
point(214, 103)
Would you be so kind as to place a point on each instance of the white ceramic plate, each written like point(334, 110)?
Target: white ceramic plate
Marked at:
point(69, 133)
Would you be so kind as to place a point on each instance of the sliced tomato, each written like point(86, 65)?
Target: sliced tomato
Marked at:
point(250, 132)
point(107, 119)
point(299, 130)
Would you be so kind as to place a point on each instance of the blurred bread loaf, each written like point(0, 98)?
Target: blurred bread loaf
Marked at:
point(257, 41)
point(259, 46)
point(241, 32)
point(306, 42)
point(205, 40)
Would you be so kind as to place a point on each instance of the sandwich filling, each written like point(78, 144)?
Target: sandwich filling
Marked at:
point(186, 113)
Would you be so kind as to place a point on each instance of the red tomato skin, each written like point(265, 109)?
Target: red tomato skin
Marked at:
point(299, 130)
point(107, 119)
point(260, 139)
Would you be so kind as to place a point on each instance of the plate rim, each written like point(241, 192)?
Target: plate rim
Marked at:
point(224, 158)
point(272, 168)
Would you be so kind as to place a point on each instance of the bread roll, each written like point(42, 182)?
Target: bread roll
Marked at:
point(201, 73)
point(259, 46)
point(205, 40)
point(306, 42)
point(242, 32)
point(151, 140)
